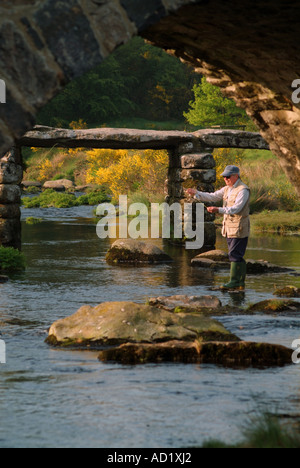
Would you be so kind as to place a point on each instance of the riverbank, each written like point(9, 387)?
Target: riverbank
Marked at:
point(264, 431)
point(280, 222)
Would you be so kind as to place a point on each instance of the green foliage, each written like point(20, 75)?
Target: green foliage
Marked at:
point(211, 108)
point(11, 259)
point(32, 190)
point(137, 80)
point(32, 220)
point(94, 198)
point(265, 431)
point(280, 222)
point(270, 187)
point(50, 198)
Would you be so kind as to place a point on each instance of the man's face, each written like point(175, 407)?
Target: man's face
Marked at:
point(230, 181)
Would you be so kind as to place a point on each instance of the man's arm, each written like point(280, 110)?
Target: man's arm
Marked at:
point(210, 197)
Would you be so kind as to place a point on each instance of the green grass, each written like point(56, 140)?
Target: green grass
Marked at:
point(11, 260)
point(265, 431)
point(49, 198)
point(270, 187)
point(31, 220)
point(280, 222)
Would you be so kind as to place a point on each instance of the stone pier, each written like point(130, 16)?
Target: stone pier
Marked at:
point(11, 174)
point(192, 165)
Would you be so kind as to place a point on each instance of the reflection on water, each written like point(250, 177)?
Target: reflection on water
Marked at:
point(51, 397)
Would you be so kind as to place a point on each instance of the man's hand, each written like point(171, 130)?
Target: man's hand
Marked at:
point(213, 209)
point(192, 192)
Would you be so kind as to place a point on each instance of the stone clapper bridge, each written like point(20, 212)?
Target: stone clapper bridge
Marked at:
point(135, 330)
point(190, 162)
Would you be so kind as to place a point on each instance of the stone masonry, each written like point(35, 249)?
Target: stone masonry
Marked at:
point(11, 174)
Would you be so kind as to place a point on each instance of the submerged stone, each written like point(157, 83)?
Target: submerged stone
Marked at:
point(229, 354)
point(133, 252)
point(287, 291)
point(182, 303)
point(218, 260)
point(275, 305)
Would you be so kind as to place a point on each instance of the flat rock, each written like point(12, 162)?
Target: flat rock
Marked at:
point(194, 304)
point(218, 260)
point(133, 252)
point(58, 184)
point(217, 255)
point(255, 267)
point(209, 263)
point(122, 322)
point(287, 291)
point(275, 306)
point(31, 183)
point(86, 187)
point(229, 354)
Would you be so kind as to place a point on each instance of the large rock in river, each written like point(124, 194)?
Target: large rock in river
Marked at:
point(133, 252)
point(230, 354)
point(122, 322)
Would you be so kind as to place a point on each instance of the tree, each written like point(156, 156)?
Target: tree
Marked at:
point(137, 80)
point(211, 108)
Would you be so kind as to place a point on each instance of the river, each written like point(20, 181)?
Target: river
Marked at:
point(62, 398)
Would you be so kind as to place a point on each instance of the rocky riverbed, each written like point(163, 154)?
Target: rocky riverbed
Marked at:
point(172, 329)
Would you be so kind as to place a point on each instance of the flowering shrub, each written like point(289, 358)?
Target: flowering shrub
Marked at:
point(124, 171)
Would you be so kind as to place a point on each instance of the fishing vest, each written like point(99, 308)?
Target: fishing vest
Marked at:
point(236, 226)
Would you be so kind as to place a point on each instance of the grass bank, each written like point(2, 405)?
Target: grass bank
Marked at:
point(280, 222)
point(270, 188)
point(49, 198)
point(266, 431)
point(11, 260)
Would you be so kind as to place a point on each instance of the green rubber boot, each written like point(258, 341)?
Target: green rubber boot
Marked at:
point(237, 277)
point(243, 274)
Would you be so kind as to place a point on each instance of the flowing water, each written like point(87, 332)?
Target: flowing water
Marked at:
point(62, 398)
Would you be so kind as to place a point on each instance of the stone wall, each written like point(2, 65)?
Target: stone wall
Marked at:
point(11, 174)
point(192, 166)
